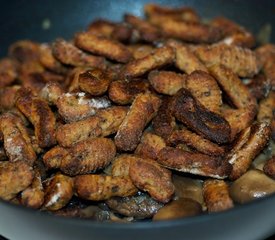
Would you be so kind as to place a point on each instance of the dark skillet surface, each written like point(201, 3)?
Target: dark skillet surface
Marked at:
point(23, 20)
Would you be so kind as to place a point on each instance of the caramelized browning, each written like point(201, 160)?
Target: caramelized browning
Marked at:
point(195, 163)
point(158, 58)
point(150, 177)
point(204, 122)
point(99, 187)
point(269, 167)
point(166, 82)
point(141, 112)
point(102, 46)
point(8, 72)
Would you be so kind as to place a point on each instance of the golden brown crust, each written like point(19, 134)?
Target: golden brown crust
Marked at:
point(150, 177)
point(190, 32)
point(51, 92)
point(124, 92)
point(186, 60)
point(140, 50)
point(14, 178)
point(140, 114)
point(8, 97)
point(159, 57)
point(53, 158)
point(166, 82)
point(147, 31)
point(233, 117)
point(266, 108)
point(33, 196)
point(241, 159)
point(238, 93)
point(94, 81)
point(179, 13)
point(47, 59)
point(103, 46)
point(121, 165)
point(100, 187)
point(69, 54)
point(101, 27)
point(150, 145)
point(58, 192)
point(195, 141)
point(187, 109)
point(8, 72)
point(269, 167)
point(164, 122)
point(216, 196)
point(89, 155)
point(77, 106)
point(241, 61)
point(17, 142)
point(205, 89)
point(266, 57)
point(195, 163)
point(105, 122)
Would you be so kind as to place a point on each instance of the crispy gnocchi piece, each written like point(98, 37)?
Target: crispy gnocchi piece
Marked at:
point(83, 157)
point(180, 13)
point(205, 89)
point(216, 195)
point(187, 109)
point(78, 106)
point(266, 108)
point(24, 51)
point(241, 159)
point(158, 58)
point(73, 77)
point(104, 123)
point(40, 115)
point(233, 33)
point(14, 178)
point(190, 32)
point(7, 97)
point(8, 72)
point(99, 187)
point(103, 46)
point(195, 163)
point(186, 60)
point(69, 54)
point(124, 33)
point(17, 142)
point(94, 81)
point(101, 27)
point(58, 192)
point(140, 50)
point(48, 61)
point(237, 92)
point(51, 92)
point(269, 167)
point(150, 145)
point(150, 177)
point(266, 56)
point(233, 117)
point(164, 122)
point(167, 82)
point(124, 92)
point(33, 196)
point(195, 141)
point(121, 165)
point(147, 31)
point(241, 61)
point(143, 109)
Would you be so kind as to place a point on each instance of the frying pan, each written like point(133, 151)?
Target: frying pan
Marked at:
point(46, 20)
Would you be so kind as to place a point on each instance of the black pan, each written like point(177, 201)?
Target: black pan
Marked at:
point(25, 20)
